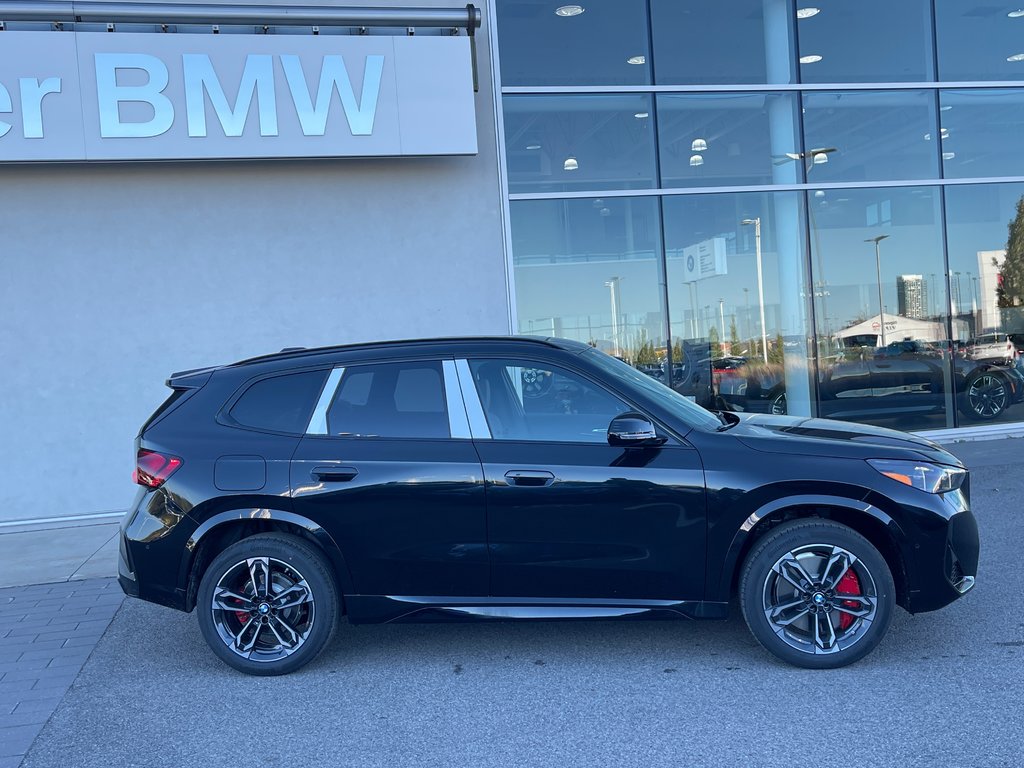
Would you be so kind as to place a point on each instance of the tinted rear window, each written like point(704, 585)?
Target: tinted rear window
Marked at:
point(391, 400)
point(281, 403)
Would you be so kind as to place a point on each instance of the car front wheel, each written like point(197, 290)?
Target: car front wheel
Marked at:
point(816, 594)
point(986, 396)
point(268, 604)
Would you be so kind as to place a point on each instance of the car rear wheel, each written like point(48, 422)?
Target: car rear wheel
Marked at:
point(268, 604)
point(816, 594)
point(986, 396)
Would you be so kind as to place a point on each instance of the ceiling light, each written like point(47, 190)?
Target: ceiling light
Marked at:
point(569, 10)
point(806, 13)
point(811, 59)
point(1015, 14)
point(570, 164)
point(946, 108)
point(927, 137)
point(948, 155)
point(699, 145)
point(636, 60)
point(641, 115)
point(1016, 57)
point(819, 193)
point(533, 146)
point(944, 133)
point(696, 160)
point(605, 212)
point(820, 158)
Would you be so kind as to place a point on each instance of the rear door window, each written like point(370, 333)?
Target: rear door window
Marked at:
point(279, 403)
point(405, 399)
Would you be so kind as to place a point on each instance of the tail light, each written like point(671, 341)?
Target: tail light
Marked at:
point(153, 468)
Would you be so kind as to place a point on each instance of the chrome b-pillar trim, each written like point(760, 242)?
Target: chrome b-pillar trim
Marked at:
point(474, 410)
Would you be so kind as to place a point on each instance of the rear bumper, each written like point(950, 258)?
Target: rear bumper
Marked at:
point(149, 554)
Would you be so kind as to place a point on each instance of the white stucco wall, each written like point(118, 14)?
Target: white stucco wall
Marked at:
point(113, 276)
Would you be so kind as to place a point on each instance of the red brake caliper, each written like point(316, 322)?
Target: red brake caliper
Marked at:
point(848, 585)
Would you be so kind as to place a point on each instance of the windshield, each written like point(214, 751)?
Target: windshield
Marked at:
point(687, 410)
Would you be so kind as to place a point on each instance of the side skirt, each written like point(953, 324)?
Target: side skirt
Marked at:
point(379, 609)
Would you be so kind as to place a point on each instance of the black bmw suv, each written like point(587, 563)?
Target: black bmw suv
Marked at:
point(524, 478)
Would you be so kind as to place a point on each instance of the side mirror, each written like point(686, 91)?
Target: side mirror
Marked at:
point(633, 429)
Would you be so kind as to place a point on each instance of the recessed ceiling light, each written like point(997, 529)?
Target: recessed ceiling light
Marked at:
point(948, 155)
point(1015, 14)
point(641, 115)
point(570, 164)
point(636, 60)
point(696, 160)
point(806, 13)
point(569, 10)
point(533, 146)
point(811, 59)
point(1016, 57)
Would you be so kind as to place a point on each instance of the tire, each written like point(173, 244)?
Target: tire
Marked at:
point(272, 636)
point(784, 617)
point(986, 395)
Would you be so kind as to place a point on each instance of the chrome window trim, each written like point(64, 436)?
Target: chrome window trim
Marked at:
point(318, 421)
point(474, 409)
point(458, 420)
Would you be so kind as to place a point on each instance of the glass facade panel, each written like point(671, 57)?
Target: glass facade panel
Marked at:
point(978, 41)
point(597, 42)
point(889, 290)
point(985, 233)
point(870, 136)
point(744, 41)
point(588, 269)
point(880, 307)
point(870, 41)
point(559, 143)
point(726, 139)
point(981, 132)
point(736, 281)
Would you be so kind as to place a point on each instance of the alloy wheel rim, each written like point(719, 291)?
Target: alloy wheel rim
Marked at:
point(987, 396)
point(779, 405)
point(263, 609)
point(804, 599)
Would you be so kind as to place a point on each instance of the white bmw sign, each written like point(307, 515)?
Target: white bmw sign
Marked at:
point(67, 96)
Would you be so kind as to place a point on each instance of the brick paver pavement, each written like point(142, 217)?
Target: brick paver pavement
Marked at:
point(47, 631)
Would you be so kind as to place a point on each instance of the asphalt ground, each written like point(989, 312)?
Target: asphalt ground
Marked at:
point(943, 688)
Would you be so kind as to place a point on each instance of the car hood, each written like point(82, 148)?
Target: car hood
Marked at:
point(826, 437)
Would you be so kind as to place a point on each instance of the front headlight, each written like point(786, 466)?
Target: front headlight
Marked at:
point(931, 478)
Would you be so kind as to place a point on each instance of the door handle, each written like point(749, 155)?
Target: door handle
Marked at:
point(537, 478)
point(334, 474)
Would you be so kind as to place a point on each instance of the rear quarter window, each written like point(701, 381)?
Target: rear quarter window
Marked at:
point(279, 403)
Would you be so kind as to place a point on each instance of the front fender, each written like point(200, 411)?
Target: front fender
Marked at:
point(228, 517)
point(748, 531)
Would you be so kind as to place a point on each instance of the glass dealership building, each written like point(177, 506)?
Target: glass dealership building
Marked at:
point(802, 207)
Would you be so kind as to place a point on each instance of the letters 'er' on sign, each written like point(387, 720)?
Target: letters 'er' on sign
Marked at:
point(93, 96)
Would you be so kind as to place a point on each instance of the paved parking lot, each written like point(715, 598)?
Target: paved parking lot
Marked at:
point(942, 689)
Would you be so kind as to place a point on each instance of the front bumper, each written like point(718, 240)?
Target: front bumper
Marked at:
point(947, 564)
